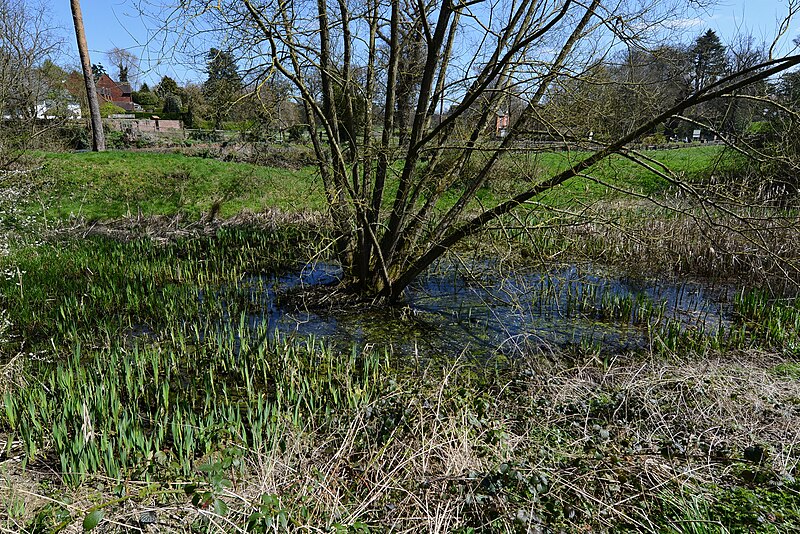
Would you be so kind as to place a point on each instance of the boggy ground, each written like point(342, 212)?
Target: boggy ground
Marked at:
point(131, 405)
point(692, 435)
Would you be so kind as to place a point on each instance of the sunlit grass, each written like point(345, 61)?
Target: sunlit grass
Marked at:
point(116, 183)
point(119, 183)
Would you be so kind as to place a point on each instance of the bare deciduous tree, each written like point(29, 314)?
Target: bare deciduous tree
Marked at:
point(26, 40)
point(126, 64)
point(385, 197)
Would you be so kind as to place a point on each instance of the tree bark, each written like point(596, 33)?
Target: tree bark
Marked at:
point(98, 137)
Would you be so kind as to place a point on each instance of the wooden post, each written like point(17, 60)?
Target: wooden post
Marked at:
point(98, 137)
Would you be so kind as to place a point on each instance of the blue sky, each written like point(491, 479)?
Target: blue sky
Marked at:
point(116, 23)
point(757, 17)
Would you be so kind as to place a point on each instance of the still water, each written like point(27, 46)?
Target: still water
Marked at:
point(482, 310)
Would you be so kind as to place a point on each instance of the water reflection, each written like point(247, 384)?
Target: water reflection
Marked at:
point(483, 310)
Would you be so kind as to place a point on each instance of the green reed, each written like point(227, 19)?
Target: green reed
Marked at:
point(768, 321)
point(82, 290)
point(159, 408)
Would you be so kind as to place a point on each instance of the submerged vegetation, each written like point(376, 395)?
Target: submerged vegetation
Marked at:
point(143, 383)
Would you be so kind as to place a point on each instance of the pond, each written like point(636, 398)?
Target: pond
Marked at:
point(482, 309)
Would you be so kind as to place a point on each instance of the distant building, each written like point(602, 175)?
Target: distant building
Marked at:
point(117, 93)
point(52, 109)
point(502, 122)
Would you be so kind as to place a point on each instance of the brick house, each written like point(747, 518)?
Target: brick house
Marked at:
point(118, 93)
point(501, 123)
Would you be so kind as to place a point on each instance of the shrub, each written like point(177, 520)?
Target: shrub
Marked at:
point(297, 133)
point(110, 109)
point(145, 98)
point(286, 157)
point(115, 139)
point(172, 104)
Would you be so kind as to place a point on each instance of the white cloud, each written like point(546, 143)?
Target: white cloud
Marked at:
point(684, 24)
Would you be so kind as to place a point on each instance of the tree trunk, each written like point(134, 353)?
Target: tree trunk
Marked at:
point(98, 137)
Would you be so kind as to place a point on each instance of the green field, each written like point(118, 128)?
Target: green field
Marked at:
point(118, 183)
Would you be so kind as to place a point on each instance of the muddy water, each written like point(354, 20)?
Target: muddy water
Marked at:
point(482, 310)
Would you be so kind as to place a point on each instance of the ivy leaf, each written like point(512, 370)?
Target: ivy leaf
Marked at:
point(92, 519)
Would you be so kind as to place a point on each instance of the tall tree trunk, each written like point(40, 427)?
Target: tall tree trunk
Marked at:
point(98, 137)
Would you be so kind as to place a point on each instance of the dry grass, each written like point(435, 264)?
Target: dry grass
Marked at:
point(666, 237)
point(559, 441)
point(167, 228)
point(668, 424)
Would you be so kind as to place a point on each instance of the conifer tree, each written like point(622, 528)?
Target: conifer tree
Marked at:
point(224, 84)
point(709, 59)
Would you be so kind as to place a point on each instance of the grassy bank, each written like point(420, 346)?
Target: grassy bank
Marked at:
point(139, 393)
point(117, 183)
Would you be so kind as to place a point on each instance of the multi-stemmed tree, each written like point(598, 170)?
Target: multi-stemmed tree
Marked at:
point(454, 66)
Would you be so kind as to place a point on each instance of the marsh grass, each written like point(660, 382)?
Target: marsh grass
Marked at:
point(551, 442)
point(235, 430)
point(136, 392)
point(103, 289)
point(756, 246)
point(161, 402)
